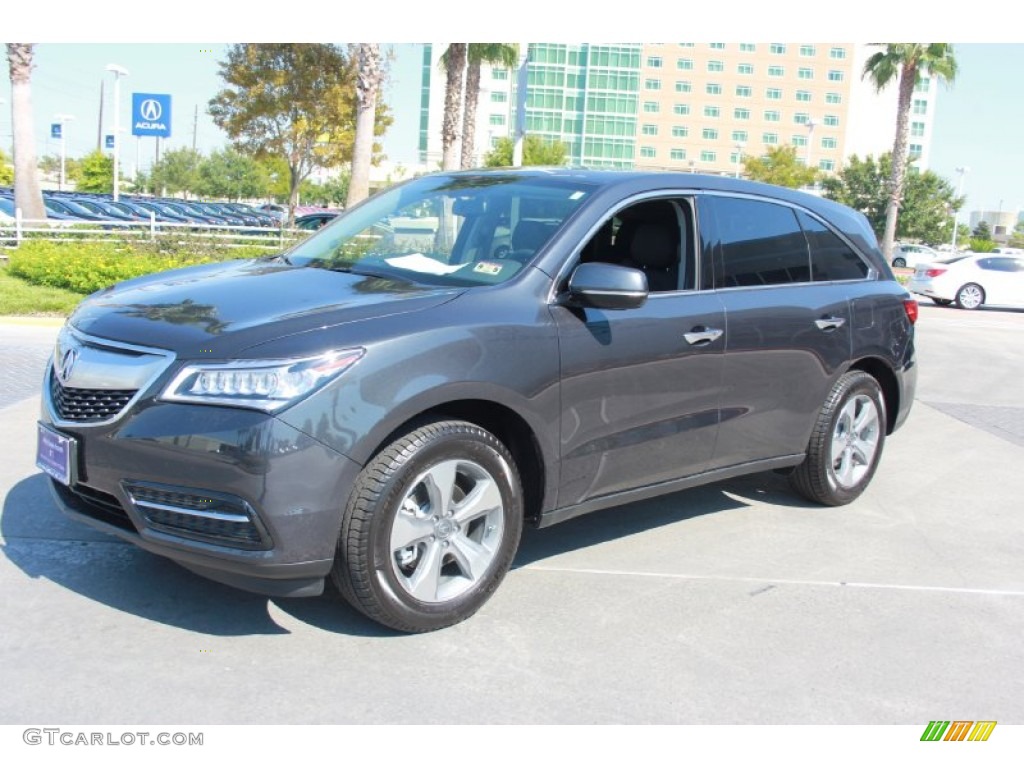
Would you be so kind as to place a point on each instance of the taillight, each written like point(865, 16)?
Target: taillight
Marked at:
point(933, 272)
point(911, 309)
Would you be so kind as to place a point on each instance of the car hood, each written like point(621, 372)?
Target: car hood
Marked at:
point(219, 310)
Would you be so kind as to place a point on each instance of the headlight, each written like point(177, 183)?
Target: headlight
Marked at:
point(266, 385)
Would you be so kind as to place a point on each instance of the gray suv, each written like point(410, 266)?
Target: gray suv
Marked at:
point(390, 401)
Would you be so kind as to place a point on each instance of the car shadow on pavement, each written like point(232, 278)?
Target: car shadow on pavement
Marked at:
point(44, 544)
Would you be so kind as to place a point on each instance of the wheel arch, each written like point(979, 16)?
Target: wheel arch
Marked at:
point(881, 372)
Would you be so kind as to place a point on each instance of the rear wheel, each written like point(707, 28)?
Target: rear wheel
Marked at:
point(899, 262)
point(970, 296)
point(431, 528)
point(846, 443)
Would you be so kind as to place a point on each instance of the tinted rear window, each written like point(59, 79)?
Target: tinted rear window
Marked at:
point(762, 243)
point(831, 258)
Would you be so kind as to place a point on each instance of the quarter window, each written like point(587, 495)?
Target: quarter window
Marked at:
point(831, 258)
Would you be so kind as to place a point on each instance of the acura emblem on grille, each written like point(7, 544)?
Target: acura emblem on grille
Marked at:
point(67, 364)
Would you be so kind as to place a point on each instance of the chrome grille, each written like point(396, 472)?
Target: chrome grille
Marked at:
point(87, 405)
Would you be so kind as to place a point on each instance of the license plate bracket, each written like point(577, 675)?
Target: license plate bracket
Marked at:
point(55, 453)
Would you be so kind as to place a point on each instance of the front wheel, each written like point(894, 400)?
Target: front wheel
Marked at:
point(899, 262)
point(846, 443)
point(970, 296)
point(430, 528)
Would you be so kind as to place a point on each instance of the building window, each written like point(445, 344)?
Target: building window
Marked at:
point(837, 53)
point(677, 154)
point(713, 89)
point(773, 94)
point(833, 98)
point(647, 152)
point(803, 95)
point(718, 46)
point(499, 74)
point(709, 133)
point(497, 119)
point(770, 138)
point(776, 71)
point(707, 156)
point(684, 63)
point(777, 48)
point(917, 130)
point(801, 118)
point(654, 62)
point(827, 165)
point(832, 120)
point(741, 114)
point(735, 157)
point(652, 84)
point(835, 76)
point(745, 69)
point(807, 50)
point(712, 112)
point(739, 135)
point(805, 73)
point(680, 131)
point(499, 97)
point(716, 66)
point(827, 142)
point(916, 150)
point(920, 107)
point(744, 91)
point(651, 107)
point(680, 109)
point(686, 45)
point(748, 47)
point(683, 86)
point(649, 130)
point(923, 84)
point(799, 141)
point(771, 116)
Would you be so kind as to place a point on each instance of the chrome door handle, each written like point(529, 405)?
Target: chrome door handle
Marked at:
point(830, 323)
point(702, 336)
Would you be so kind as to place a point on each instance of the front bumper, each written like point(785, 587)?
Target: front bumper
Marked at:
point(291, 486)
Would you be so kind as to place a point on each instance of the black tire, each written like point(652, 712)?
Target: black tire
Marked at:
point(408, 559)
point(899, 262)
point(970, 296)
point(942, 302)
point(852, 419)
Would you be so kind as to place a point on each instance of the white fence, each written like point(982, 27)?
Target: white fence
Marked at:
point(15, 231)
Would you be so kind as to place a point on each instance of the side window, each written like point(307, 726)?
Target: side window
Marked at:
point(656, 237)
point(999, 264)
point(831, 258)
point(761, 243)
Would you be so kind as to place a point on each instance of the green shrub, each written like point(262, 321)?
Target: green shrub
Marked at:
point(88, 267)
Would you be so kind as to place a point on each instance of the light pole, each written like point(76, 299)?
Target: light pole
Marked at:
point(963, 171)
point(739, 156)
point(810, 140)
point(119, 72)
point(63, 120)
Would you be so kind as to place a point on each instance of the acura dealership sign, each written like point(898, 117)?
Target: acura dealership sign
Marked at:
point(151, 114)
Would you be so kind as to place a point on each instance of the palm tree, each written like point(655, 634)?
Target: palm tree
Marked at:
point(368, 80)
point(27, 195)
point(906, 62)
point(454, 63)
point(477, 54)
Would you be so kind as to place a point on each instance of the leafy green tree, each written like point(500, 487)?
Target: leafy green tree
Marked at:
point(1017, 236)
point(296, 102)
point(982, 231)
point(905, 63)
point(95, 173)
point(477, 54)
point(983, 245)
point(331, 194)
point(6, 170)
point(27, 194)
point(927, 202)
point(536, 151)
point(781, 167)
point(177, 171)
point(232, 175)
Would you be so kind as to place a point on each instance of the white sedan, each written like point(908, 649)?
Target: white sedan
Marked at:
point(910, 255)
point(972, 280)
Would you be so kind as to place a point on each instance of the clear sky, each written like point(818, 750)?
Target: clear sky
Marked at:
point(978, 119)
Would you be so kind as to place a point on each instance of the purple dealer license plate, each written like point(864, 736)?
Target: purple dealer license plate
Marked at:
point(53, 454)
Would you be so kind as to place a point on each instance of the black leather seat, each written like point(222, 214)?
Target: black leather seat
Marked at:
point(654, 249)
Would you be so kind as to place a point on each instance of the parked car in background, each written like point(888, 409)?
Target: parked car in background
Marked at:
point(910, 255)
point(387, 406)
point(313, 221)
point(972, 280)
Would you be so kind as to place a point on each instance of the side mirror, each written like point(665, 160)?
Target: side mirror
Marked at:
point(608, 286)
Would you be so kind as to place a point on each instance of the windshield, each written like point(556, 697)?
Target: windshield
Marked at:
point(447, 230)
